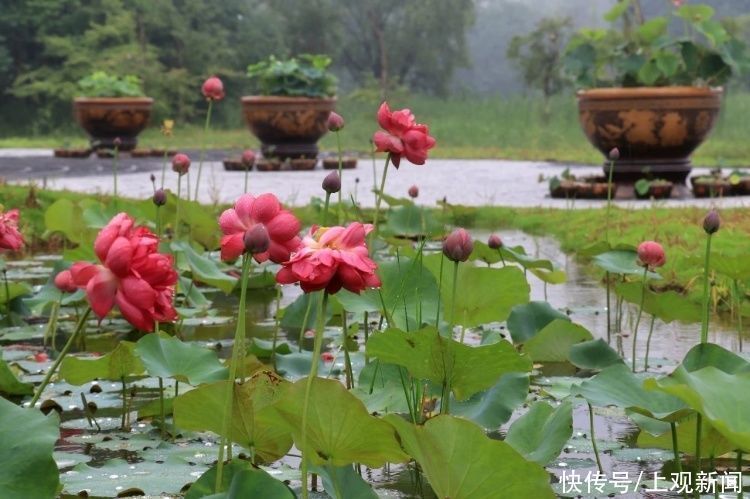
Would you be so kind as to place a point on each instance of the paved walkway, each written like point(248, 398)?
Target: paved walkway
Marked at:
point(467, 182)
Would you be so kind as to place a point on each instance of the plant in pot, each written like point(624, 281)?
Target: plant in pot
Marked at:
point(656, 188)
point(652, 88)
point(112, 107)
point(290, 110)
point(711, 186)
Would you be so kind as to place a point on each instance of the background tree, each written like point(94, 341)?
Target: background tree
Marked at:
point(538, 54)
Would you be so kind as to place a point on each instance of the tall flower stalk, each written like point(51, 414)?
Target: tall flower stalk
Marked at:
point(115, 159)
point(335, 125)
point(213, 90)
point(650, 256)
point(181, 166)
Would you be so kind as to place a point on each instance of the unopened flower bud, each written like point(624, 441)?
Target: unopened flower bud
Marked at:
point(213, 89)
point(64, 282)
point(248, 157)
point(160, 197)
point(256, 239)
point(458, 245)
point(181, 163)
point(153, 178)
point(712, 222)
point(495, 242)
point(117, 142)
point(413, 191)
point(651, 254)
point(335, 122)
point(332, 183)
point(614, 154)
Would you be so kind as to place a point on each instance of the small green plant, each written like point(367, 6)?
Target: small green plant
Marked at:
point(645, 52)
point(102, 84)
point(303, 76)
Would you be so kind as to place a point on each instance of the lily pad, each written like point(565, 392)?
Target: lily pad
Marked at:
point(461, 462)
point(593, 354)
point(239, 479)
point(494, 407)
point(10, 384)
point(554, 341)
point(621, 261)
point(528, 319)
point(118, 364)
point(205, 269)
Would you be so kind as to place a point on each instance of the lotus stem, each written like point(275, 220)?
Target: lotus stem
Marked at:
point(704, 322)
point(341, 167)
point(321, 320)
point(593, 439)
point(49, 331)
point(640, 313)
point(675, 448)
point(247, 172)
point(739, 470)
point(177, 210)
point(609, 312)
point(238, 357)
point(379, 198)
point(276, 327)
point(325, 208)
point(79, 327)
point(349, 372)
point(124, 402)
point(648, 340)
point(114, 173)
point(161, 406)
point(738, 294)
point(7, 291)
point(609, 197)
point(698, 429)
point(164, 168)
point(304, 323)
point(202, 152)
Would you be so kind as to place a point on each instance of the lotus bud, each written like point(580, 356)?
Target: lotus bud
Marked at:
point(248, 157)
point(458, 245)
point(614, 154)
point(257, 239)
point(181, 163)
point(332, 183)
point(64, 282)
point(213, 89)
point(495, 242)
point(651, 254)
point(712, 222)
point(413, 191)
point(335, 122)
point(117, 142)
point(160, 197)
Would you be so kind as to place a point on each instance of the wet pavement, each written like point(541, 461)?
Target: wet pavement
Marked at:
point(466, 182)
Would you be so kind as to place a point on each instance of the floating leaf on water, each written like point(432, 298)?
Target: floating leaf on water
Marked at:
point(461, 462)
point(239, 479)
point(122, 362)
point(553, 343)
point(492, 408)
point(528, 319)
point(593, 354)
point(168, 357)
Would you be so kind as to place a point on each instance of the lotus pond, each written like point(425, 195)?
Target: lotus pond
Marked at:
point(166, 348)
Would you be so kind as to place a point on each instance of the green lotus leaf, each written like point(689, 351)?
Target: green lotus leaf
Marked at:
point(427, 355)
point(343, 482)
point(205, 269)
point(493, 407)
point(239, 479)
point(528, 319)
point(340, 431)
point(122, 362)
point(668, 306)
point(621, 261)
point(28, 439)
point(461, 462)
point(252, 425)
point(10, 384)
point(541, 433)
point(168, 357)
point(554, 341)
point(593, 354)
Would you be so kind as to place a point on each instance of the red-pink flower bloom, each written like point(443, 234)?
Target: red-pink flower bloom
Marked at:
point(213, 89)
point(458, 245)
point(132, 275)
point(335, 122)
point(403, 136)
point(651, 254)
point(64, 282)
point(331, 258)
point(10, 237)
point(248, 157)
point(282, 226)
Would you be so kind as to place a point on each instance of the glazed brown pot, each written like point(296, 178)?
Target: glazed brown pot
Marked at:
point(288, 127)
point(107, 118)
point(654, 128)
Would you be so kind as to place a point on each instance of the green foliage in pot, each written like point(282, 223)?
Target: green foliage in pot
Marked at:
point(303, 76)
point(688, 47)
point(102, 84)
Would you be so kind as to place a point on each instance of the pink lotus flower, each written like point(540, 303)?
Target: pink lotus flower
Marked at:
point(213, 89)
point(651, 254)
point(248, 211)
point(403, 136)
point(335, 122)
point(10, 237)
point(64, 282)
point(331, 258)
point(248, 157)
point(132, 275)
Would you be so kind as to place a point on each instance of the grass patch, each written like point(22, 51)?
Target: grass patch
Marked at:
point(472, 127)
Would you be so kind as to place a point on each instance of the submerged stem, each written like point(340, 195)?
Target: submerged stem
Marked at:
point(648, 340)
point(341, 167)
point(593, 439)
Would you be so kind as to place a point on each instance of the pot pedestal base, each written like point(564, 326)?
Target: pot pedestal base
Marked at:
point(630, 171)
point(290, 151)
point(126, 143)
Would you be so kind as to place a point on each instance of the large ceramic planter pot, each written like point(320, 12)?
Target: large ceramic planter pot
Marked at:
point(107, 118)
point(655, 128)
point(288, 127)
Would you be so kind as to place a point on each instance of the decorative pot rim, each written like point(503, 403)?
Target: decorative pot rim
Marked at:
point(113, 100)
point(285, 99)
point(624, 93)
